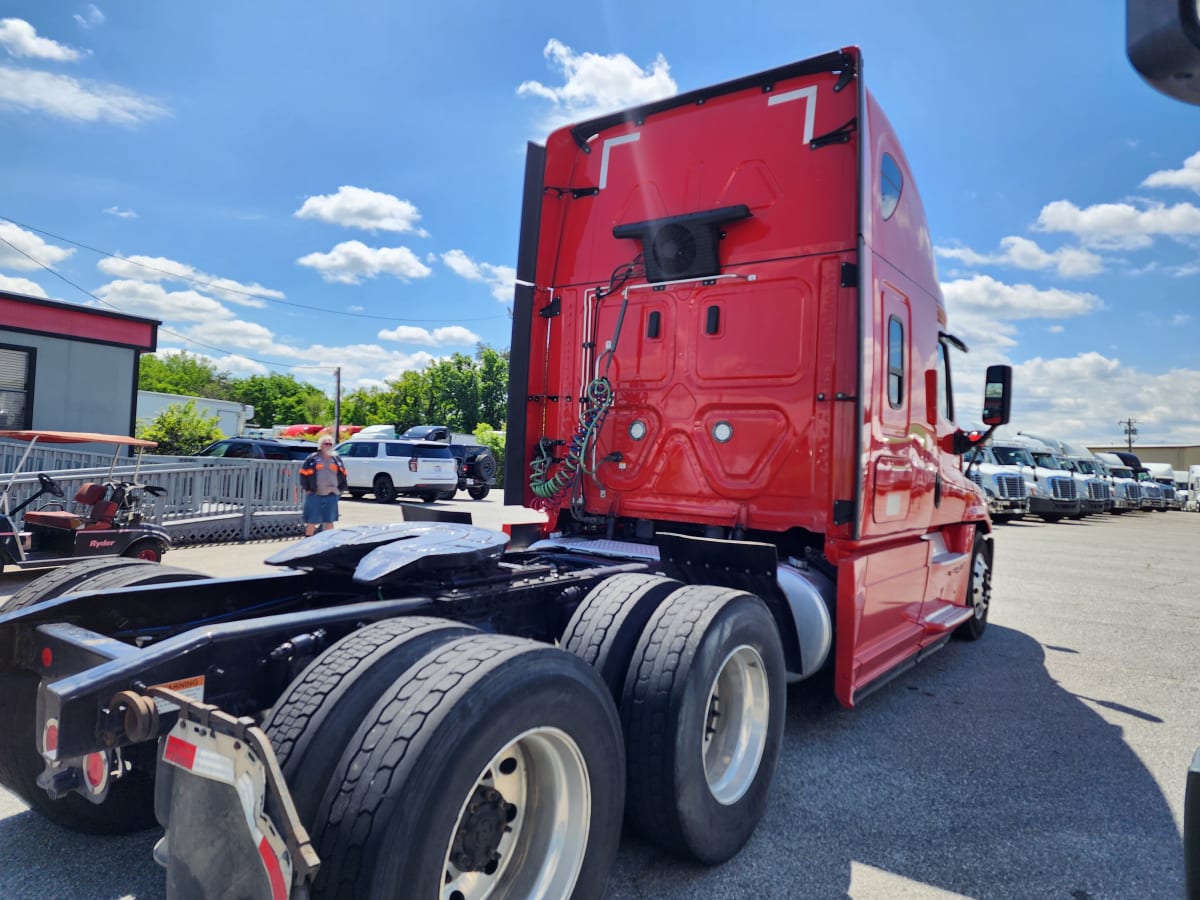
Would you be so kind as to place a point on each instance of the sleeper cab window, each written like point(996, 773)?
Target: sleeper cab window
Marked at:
point(891, 183)
point(895, 357)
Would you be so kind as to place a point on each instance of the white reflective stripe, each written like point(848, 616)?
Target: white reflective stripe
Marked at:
point(245, 789)
point(809, 94)
point(213, 765)
point(614, 142)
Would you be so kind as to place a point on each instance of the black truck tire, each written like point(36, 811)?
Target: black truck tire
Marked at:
point(496, 760)
point(709, 664)
point(979, 593)
point(129, 806)
point(63, 581)
point(314, 719)
point(605, 628)
point(479, 491)
point(384, 490)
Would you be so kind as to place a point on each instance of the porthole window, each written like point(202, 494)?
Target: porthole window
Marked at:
point(891, 183)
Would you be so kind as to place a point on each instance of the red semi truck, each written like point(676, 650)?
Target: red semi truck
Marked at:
point(731, 394)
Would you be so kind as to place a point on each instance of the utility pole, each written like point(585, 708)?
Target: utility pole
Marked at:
point(337, 405)
point(1130, 431)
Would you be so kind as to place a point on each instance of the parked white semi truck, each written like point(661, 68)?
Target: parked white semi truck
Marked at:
point(1127, 490)
point(1053, 494)
point(1007, 495)
point(1095, 489)
point(1164, 475)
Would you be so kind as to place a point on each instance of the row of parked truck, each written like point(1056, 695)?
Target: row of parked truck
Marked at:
point(1052, 479)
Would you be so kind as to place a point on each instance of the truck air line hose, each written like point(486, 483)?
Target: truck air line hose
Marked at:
point(550, 489)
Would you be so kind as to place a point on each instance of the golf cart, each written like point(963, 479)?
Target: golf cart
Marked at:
point(106, 519)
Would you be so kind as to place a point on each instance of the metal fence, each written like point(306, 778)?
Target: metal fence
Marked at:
point(206, 501)
point(50, 457)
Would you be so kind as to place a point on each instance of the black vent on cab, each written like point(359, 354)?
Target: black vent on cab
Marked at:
point(684, 246)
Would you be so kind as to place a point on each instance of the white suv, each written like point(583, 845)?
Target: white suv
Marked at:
point(387, 469)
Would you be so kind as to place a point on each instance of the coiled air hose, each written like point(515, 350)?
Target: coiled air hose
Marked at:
point(550, 489)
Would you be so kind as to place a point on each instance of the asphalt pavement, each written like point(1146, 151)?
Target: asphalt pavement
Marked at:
point(1046, 760)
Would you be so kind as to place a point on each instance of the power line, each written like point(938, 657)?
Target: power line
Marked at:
point(228, 290)
point(83, 290)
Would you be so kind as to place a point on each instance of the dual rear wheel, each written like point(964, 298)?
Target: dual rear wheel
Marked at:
point(698, 672)
point(499, 764)
point(495, 762)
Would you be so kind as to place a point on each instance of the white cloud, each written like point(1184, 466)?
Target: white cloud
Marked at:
point(355, 207)
point(1071, 262)
point(159, 268)
point(141, 298)
point(1188, 177)
point(446, 336)
point(984, 294)
point(25, 90)
point(121, 213)
point(21, 286)
point(352, 261)
point(30, 243)
point(982, 311)
point(1084, 396)
point(90, 18)
point(500, 278)
point(1181, 319)
point(21, 39)
point(362, 365)
point(1120, 225)
point(1056, 329)
point(594, 83)
point(236, 333)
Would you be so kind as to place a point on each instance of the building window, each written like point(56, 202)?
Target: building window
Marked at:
point(895, 363)
point(16, 386)
point(891, 183)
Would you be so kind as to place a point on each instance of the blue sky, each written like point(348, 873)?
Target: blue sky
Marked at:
point(344, 179)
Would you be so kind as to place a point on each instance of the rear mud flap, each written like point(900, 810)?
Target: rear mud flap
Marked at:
point(219, 795)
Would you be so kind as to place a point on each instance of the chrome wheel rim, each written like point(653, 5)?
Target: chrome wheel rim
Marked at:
point(735, 724)
point(981, 586)
point(522, 830)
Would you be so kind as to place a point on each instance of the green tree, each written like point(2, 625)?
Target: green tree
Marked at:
point(182, 373)
point(493, 384)
point(279, 399)
point(454, 386)
point(408, 401)
point(180, 429)
point(366, 406)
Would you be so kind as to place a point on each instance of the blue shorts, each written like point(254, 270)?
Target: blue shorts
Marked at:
point(320, 508)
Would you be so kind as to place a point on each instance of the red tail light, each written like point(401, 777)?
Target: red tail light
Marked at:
point(95, 771)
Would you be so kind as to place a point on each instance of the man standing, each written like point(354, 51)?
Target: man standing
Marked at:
point(323, 478)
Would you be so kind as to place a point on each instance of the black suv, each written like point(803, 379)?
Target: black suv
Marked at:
point(476, 465)
point(258, 448)
point(476, 469)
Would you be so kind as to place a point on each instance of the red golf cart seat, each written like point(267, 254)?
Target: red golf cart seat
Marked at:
point(98, 513)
